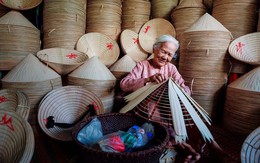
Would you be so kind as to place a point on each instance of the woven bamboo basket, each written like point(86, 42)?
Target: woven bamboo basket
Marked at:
point(66, 105)
point(63, 61)
point(33, 78)
point(135, 14)
point(64, 22)
point(94, 76)
point(17, 139)
point(3, 10)
point(118, 121)
point(13, 27)
point(162, 8)
point(241, 111)
point(100, 45)
point(104, 17)
point(20, 4)
point(246, 48)
point(130, 45)
point(250, 148)
point(122, 67)
point(185, 14)
point(151, 30)
point(15, 101)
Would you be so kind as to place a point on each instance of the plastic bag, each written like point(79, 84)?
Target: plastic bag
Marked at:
point(91, 133)
point(112, 143)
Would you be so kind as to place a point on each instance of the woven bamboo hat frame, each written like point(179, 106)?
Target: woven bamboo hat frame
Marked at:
point(246, 48)
point(17, 139)
point(152, 30)
point(250, 148)
point(66, 105)
point(130, 43)
point(100, 45)
point(20, 4)
point(63, 61)
point(17, 101)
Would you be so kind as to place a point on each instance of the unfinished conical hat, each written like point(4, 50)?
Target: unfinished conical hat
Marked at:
point(20, 4)
point(249, 81)
point(124, 64)
point(152, 30)
point(189, 3)
point(16, 18)
point(101, 45)
point(30, 69)
point(207, 23)
point(93, 69)
point(130, 43)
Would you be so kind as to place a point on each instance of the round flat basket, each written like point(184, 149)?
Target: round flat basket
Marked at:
point(17, 139)
point(246, 48)
point(130, 42)
point(20, 4)
point(63, 61)
point(97, 44)
point(16, 101)
point(250, 149)
point(66, 105)
point(114, 122)
point(153, 29)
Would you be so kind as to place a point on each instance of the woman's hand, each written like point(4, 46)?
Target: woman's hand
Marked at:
point(187, 154)
point(158, 78)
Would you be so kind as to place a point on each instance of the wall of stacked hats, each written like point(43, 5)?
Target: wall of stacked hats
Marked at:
point(52, 51)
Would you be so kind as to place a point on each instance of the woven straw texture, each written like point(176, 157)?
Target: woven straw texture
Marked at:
point(15, 101)
point(98, 44)
point(117, 121)
point(17, 139)
point(13, 27)
point(130, 43)
point(250, 148)
point(241, 111)
point(151, 30)
point(134, 14)
point(66, 105)
point(33, 78)
point(20, 4)
point(104, 17)
point(163, 8)
point(64, 22)
point(246, 48)
point(63, 61)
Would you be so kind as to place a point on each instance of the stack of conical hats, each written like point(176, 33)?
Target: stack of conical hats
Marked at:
point(242, 104)
point(204, 62)
point(21, 4)
point(163, 8)
point(14, 27)
point(185, 14)
point(239, 17)
point(97, 78)
point(33, 78)
point(63, 23)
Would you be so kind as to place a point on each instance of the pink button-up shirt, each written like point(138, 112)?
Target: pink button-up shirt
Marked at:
point(135, 79)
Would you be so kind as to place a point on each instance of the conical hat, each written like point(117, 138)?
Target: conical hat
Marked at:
point(207, 23)
point(124, 64)
point(20, 4)
point(30, 69)
point(249, 81)
point(152, 30)
point(16, 18)
point(131, 46)
point(93, 69)
point(190, 3)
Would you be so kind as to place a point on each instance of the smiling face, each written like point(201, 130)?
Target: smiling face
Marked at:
point(164, 54)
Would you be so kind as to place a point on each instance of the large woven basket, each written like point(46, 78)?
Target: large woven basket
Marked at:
point(66, 105)
point(246, 48)
point(20, 4)
point(118, 121)
point(17, 139)
point(63, 61)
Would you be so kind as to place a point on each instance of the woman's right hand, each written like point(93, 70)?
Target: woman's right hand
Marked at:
point(158, 78)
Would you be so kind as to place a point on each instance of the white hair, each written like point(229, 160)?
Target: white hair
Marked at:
point(165, 38)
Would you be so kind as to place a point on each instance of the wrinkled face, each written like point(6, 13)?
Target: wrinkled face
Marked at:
point(164, 54)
